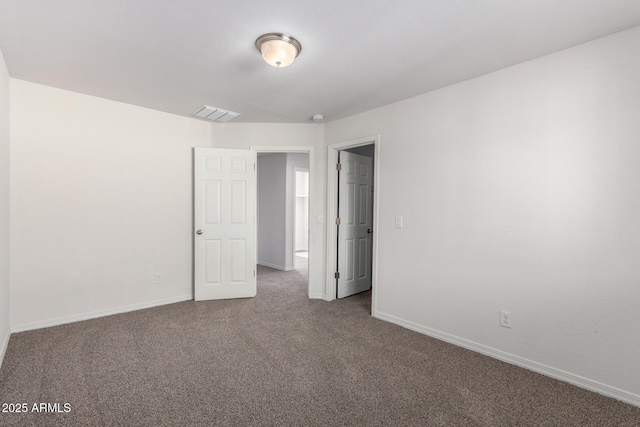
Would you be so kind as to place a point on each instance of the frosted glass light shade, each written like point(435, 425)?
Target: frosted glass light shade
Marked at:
point(278, 50)
point(278, 53)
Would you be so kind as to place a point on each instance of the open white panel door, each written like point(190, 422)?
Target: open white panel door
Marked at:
point(224, 221)
point(354, 210)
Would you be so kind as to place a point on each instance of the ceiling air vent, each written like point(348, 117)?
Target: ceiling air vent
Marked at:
point(215, 114)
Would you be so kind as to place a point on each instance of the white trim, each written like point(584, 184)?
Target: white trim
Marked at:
point(332, 209)
point(309, 150)
point(99, 313)
point(277, 267)
point(282, 149)
point(549, 371)
point(5, 345)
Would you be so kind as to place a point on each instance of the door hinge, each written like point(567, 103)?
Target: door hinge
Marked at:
point(338, 166)
point(254, 166)
point(337, 221)
point(254, 273)
point(337, 275)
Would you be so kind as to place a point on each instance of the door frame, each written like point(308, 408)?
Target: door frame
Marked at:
point(332, 210)
point(302, 150)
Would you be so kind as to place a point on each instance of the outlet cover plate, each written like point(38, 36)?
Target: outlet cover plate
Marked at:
point(505, 319)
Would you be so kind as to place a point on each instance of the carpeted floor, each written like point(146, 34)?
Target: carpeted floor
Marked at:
point(279, 359)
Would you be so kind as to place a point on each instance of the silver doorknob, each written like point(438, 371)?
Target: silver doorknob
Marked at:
point(199, 232)
point(369, 230)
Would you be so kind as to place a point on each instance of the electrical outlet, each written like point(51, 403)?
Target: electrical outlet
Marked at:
point(157, 278)
point(505, 319)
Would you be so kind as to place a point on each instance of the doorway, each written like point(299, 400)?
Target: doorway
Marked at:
point(369, 146)
point(285, 192)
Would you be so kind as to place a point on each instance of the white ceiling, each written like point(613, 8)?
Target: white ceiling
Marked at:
point(175, 56)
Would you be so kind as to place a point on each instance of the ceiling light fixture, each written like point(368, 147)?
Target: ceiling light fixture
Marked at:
point(278, 50)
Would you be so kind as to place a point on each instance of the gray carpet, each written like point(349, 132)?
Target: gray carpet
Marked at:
point(279, 359)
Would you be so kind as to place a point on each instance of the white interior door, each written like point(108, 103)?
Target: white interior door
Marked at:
point(354, 210)
point(225, 225)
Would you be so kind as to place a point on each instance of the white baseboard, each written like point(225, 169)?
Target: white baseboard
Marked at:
point(595, 386)
point(95, 314)
point(3, 349)
point(316, 296)
point(277, 267)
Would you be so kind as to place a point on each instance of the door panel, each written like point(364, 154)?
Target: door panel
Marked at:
point(354, 209)
point(212, 260)
point(238, 202)
point(365, 193)
point(224, 219)
point(212, 199)
point(238, 260)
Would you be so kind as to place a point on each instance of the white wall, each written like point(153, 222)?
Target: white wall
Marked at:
point(4, 208)
point(101, 198)
point(520, 191)
point(272, 215)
